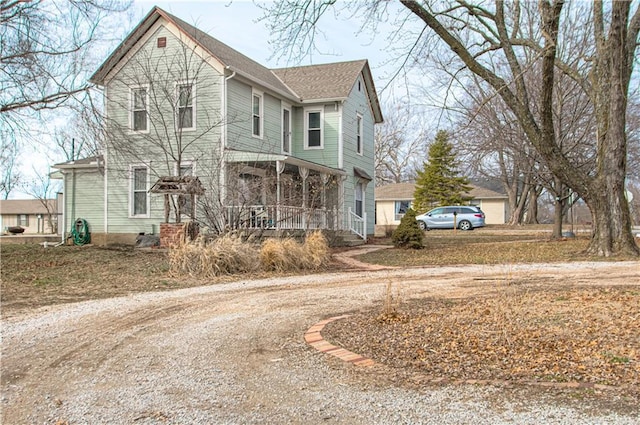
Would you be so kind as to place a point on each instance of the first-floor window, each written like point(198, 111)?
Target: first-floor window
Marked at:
point(359, 198)
point(185, 204)
point(139, 190)
point(23, 220)
point(401, 208)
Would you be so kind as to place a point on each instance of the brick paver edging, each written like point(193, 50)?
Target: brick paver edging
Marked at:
point(315, 339)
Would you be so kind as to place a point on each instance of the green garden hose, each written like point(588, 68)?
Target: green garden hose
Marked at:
point(80, 232)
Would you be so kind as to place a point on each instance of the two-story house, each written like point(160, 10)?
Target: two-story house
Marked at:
point(288, 148)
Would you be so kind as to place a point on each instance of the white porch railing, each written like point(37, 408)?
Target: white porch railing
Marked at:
point(283, 217)
point(357, 224)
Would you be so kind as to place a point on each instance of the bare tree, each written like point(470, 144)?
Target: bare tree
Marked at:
point(400, 145)
point(9, 178)
point(479, 38)
point(46, 49)
point(166, 122)
point(42, 188)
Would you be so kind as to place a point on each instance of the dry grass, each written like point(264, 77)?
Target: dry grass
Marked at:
point(447, 248)
point(33, 276)
point(285, 255)
point(225, 255)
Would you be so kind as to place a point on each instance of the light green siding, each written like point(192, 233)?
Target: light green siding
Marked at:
point(84, 198)
point(358, 103)
point(328, 155)
point(240, 134)
point(160, 70)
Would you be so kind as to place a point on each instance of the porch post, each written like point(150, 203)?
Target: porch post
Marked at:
point(324, 177)
point(304, 173)
point(279, 170)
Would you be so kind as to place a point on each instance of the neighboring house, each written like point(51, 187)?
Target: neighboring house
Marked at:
point(288, 148)
point(393, 200)
point(33, 215)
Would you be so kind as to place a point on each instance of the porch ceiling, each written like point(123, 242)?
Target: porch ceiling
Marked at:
point(261, 157)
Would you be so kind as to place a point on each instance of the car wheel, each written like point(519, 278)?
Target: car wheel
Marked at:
point(423, 225)
point(465, 225)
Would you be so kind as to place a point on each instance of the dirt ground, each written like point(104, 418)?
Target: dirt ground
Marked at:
point(234, 352)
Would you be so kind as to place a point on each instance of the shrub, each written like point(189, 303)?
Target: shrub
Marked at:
point(282, 255)
point(227, 254)
point(408, 234)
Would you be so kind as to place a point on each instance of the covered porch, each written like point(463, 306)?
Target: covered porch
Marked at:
point(280, 192)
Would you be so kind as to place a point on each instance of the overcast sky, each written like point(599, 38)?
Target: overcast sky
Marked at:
point(236, 23)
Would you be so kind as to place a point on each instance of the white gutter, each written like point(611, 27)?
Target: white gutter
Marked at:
point(340, 138)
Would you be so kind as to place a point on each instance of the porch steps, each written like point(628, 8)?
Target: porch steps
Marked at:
point(345, 238)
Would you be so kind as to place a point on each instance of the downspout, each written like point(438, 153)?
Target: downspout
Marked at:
point(223, 143)
point(106, 195)
point(63, 230)
point(341, 166)
point(340, 138)
point(73, 194)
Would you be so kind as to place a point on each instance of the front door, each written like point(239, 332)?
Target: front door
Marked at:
point(359, 199)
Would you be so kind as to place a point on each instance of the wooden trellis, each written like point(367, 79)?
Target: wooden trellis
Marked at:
point(182, 186)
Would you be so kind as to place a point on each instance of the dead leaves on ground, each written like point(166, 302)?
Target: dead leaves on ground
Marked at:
point(566, 335)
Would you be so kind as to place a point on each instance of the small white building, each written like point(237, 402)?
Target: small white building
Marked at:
point(35, 216)
point(393, 200)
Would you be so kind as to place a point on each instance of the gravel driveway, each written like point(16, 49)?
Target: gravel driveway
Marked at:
point(235, 354)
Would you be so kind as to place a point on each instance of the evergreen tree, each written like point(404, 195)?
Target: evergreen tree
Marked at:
point(439, 183)
point(408, 234)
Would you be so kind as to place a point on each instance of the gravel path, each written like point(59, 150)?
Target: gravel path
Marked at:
point(235, 354)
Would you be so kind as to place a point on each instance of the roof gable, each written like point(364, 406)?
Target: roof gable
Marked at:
point(404, 192)
point(332, 81)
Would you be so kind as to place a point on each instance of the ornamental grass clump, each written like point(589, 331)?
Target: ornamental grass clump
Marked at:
point(225, 255)
point(285, 255)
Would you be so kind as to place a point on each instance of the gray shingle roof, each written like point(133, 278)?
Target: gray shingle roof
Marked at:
point(235, 60)
point(326, 81)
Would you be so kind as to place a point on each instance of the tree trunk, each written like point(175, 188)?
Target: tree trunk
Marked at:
point(532, 210)
point(605, 198)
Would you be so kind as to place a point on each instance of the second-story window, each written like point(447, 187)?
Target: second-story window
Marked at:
point(286, 130)
point(186, 119)
point(139, 115)
point(313, 129)
point(256, 114)
point(359, 132)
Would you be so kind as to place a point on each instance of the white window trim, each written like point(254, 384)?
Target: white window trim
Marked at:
point(132, 168)
point(131, 100)
point(260, 95)
point(306, 127)
point(360, 133)
point(193, 105)
point(185, 163)
point(286, 107)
